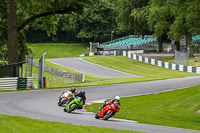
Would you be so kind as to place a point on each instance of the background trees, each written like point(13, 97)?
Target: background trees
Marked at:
point(94, 23)
point(32, 10)
point(176, 18)
point(43, 21)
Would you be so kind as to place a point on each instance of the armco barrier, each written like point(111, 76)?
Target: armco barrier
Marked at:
point(8, 83)
point(14, 83)
point(25, 83)
point(158, 63)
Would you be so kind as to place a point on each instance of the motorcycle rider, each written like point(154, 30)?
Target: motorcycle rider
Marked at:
point(116, 99)
point(71, 94)
point(82, 95)
point(72, 91)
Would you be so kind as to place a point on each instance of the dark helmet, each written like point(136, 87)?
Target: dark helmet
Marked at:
point(73, 89)
point(83, 92)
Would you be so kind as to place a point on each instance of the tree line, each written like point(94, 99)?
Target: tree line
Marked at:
point(92, 20)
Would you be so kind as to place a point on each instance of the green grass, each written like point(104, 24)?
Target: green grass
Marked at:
point(58, 50)
point(56, 81)
point(175, 109)
point(13, 124)
point(52, 80)
point(146, 71)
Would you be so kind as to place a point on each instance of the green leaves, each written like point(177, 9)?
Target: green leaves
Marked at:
point(174, 17)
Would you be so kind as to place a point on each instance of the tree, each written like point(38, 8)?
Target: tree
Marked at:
point(132, 16)
point(33, 9)
point(97, 21)
point(177, 18)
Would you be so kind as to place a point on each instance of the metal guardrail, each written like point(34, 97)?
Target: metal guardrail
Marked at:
point(15, 83)
point(61, 73)
point(8, 83)
point(25, 83)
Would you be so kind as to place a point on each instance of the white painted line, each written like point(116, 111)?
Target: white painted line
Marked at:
point(124, 120)
point(100, 101)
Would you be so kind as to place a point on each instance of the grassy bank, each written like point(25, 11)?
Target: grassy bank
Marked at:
point(146, 72)
point(175, 109)
point(58, 50)
point(13, 124)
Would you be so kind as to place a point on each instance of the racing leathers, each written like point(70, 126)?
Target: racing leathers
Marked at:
point(109, 103)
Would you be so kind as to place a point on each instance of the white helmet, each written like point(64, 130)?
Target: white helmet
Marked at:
point(117, 98)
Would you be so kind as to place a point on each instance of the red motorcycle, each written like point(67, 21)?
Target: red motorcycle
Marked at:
point(108, 111)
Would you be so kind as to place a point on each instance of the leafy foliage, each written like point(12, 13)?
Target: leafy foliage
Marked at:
point(23, 49)
point(175, 17)
point(26, 12)
point(132, 16)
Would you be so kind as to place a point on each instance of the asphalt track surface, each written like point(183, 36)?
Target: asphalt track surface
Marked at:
point(42, 104)
point(89, 68)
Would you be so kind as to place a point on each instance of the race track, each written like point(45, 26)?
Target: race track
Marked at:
point(90, 68)
point(42, 104)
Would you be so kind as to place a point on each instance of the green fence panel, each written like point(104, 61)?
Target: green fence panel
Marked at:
point(163, 64)
point(22, 84)
point(132, 56)
point(149, 60)
point(185, 68)
point(177, 67)
point(143, 59)
point(170, 65)
point(119, 53)
point(86, 54)
point(194, 69)
point(137, 57)
point(156, 62)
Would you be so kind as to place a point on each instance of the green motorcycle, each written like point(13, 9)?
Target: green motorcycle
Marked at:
point(76, 103)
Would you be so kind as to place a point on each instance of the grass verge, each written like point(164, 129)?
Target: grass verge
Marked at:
point(58, 50)
point(146, 71)
point(14, 124)
point(176, 108)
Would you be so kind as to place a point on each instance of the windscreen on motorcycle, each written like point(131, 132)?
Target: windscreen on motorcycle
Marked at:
point(66, 94)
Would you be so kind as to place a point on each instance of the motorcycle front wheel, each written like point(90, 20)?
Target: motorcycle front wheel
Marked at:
point(71, 108)
point(61, 101)
point(97, 116)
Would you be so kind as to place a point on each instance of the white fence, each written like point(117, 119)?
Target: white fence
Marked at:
point(8, 83)
point(12, 83)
